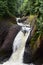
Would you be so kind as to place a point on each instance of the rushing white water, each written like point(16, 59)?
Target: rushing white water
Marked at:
point(19, 45)
point(22, 23)
point(18, 49)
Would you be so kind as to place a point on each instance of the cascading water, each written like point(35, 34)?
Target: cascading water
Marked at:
point(18, 47)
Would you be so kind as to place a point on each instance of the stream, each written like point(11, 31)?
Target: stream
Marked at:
point(19, 47)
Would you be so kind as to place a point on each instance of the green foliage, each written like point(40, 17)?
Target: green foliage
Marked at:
point(10, 7)
point(34, 7)
point(3, 5)
point(21, 7)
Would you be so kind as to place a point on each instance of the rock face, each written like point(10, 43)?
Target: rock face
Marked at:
point(34, 53)
point(38, 55)
point(28, 51)
point(6, 48)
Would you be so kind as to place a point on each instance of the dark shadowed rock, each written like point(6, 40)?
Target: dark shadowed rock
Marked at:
point(6, 48)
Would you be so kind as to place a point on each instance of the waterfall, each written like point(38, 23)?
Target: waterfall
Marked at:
point(19, 45)
point(18, 49)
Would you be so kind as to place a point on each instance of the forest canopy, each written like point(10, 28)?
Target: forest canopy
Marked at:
point(21, 7)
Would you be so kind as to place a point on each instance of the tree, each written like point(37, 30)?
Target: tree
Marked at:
point(9, 7)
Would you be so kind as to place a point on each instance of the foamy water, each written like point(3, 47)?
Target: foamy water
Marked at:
point(18, 49)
